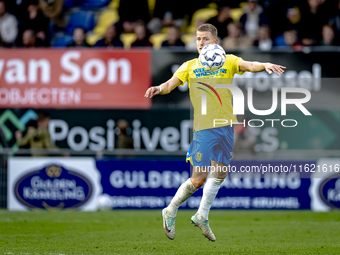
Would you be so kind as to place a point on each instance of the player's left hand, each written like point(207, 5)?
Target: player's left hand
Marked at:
point(277, 69)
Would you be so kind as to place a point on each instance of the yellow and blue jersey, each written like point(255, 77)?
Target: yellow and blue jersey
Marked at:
point(202, 81)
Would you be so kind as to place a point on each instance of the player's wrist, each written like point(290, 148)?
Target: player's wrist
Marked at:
point(160, 89)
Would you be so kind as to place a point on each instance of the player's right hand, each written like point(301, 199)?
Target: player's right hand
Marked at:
point(151, 92)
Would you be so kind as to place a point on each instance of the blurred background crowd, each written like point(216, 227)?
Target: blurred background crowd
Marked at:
point(154, 23)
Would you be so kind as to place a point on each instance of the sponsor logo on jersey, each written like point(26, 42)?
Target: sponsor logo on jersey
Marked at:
point(200, 72)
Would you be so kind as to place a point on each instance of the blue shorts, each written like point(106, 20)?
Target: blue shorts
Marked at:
point(211, 144)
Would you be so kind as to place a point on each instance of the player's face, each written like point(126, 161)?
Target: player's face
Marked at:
point(204, 38)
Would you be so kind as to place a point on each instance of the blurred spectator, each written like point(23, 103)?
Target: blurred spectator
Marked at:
point(312, 20)
point(288, 20)
point(29, 39)
point(8, 26)
point(52, 9)
point(173, 38)
point(35, 19)
point(328, 36)
point(23, 137)
point(253, 18)
point(264, 42)
point(125, 140)
point(143, 36)
point(293, 16)
point(36, 138)
point(166, 13)
point(290, 40)
point(31, 126)
point(79, 36)
point(130, 11)
point(335, 21)
point(235, 39)
point(222, 20)
point(110, 39)
point(43, 121)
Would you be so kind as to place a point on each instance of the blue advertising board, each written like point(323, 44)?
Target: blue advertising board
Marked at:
point(83, 183)
point(152, 183)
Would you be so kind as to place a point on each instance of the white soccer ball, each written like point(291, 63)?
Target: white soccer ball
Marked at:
point(212, 57)
point(104, 202)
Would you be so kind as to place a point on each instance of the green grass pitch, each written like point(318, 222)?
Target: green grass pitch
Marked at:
point(141, 232)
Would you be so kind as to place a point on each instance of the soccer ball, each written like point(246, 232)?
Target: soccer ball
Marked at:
point(212, 57)
point(104, 202)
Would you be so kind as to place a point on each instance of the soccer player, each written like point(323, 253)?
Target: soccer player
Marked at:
point(210, 145)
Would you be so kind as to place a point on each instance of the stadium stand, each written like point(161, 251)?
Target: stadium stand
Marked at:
point(91, 39)
point(187, 38)
point(236, 13)
point(84, 19)
point(71, 3)
point(157, 40)
point(94, 3)
point(127, 39)
point(114, 4)
point(62, 41)
point(107, 18)
point(202, 14)
point(96, 15)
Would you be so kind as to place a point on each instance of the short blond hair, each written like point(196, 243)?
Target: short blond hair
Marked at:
point(209, 28)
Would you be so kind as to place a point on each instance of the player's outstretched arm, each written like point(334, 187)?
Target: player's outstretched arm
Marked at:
point(248, 66)
point(164, 88)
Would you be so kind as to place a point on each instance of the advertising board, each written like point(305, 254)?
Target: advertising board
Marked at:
point(54, 78)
